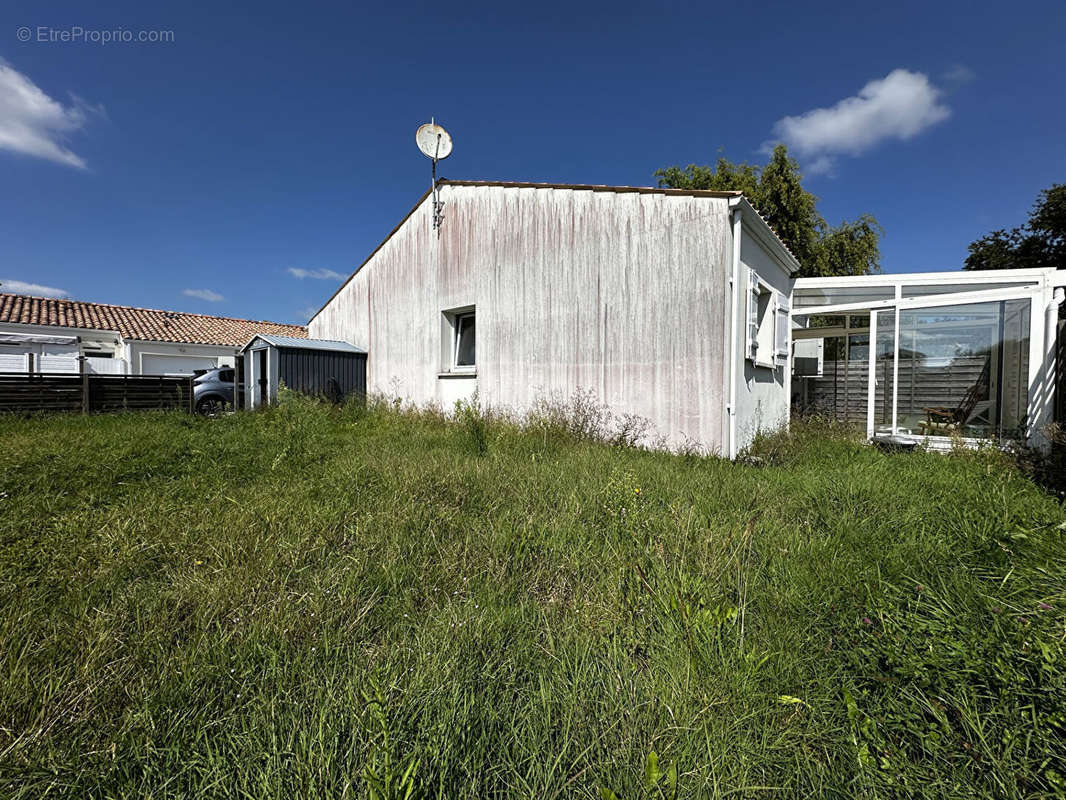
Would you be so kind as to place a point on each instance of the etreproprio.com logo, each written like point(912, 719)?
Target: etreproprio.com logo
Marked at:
point(76, 34)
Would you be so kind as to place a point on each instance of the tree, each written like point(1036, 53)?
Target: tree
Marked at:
point(776, 190)
point(1039, 243)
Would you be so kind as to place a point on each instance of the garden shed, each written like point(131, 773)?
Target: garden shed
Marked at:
point(312, 366)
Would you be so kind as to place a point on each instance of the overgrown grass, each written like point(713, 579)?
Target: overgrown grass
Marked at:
point(313, 602)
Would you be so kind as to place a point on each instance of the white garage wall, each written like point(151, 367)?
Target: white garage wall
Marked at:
point(175, 365)
point(203, 355)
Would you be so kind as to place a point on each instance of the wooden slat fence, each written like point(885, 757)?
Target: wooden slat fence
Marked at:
point(841, 390)
point(93, 393)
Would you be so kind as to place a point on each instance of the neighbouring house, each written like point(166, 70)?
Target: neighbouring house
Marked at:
point(681, 307)
point(670, 305)
point(42, 334)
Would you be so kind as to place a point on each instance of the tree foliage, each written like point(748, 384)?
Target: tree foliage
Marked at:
point(1039, 243)
point(776, 190)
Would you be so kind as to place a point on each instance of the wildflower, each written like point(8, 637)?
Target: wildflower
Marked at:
point(867, 621)
point(198, 562)
point(1043, 606)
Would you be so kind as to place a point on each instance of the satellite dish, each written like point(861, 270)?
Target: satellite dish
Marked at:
point(433, 141)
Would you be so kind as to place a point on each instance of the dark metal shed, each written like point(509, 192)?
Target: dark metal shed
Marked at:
point(311, 366)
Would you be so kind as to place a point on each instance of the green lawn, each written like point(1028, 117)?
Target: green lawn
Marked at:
point(313, 602)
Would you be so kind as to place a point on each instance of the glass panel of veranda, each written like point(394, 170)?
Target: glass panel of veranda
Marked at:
point(964, 370)
point(936, 370)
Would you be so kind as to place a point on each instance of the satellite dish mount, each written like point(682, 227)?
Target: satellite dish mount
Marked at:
point(435, 143)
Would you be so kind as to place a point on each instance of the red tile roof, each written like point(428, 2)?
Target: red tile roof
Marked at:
point(146, 324)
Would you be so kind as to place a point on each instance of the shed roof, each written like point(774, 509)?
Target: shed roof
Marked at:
point(304, 344)
point(132, 323)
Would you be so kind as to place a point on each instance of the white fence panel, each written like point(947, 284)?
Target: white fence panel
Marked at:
point(14, 362)
point(58, 364)
point(106, 366)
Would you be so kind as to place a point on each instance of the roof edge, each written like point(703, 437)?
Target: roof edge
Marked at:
point(594, 187)
point(302, 344)
point(766, 234)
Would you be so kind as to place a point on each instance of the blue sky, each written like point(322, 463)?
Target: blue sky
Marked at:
point(265, 150)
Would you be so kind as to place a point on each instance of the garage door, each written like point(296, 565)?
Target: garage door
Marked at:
point(175, 365)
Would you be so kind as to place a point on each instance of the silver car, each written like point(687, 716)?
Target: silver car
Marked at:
point(212, 391)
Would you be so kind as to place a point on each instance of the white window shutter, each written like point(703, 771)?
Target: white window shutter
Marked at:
point(781, 330)
point(753, 315)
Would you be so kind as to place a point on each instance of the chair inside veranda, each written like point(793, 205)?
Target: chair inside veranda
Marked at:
point(945, 420)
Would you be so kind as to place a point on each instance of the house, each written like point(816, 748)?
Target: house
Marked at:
point(668, 304)
point(682, 307)
point(43, 334)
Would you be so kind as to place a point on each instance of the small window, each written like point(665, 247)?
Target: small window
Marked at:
point(465, 342)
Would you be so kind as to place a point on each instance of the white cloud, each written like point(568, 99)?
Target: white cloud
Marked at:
point(21, 287)
point(204, 294)
point(899, 106)
point(317, 274)
point(822, 165)
point(34, 124)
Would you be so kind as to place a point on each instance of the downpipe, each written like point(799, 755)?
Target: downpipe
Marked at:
point(734, 289)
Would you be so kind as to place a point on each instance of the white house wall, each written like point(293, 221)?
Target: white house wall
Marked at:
point(762, 392)
point(621, 294)
point(103, 339)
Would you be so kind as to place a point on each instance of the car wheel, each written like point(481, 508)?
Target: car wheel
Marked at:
point(210, 406)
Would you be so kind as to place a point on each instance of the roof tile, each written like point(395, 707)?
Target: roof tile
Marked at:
point(145, 324)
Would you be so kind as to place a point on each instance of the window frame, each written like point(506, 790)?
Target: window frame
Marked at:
point(457, 331)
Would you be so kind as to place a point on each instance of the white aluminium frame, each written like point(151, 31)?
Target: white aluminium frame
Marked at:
point(1041, 370)
point(460, 318)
